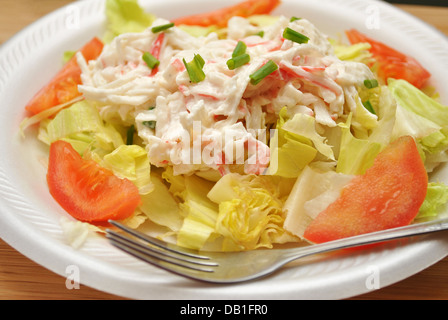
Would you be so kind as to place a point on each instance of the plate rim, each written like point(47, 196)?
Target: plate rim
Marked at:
point(65, 253)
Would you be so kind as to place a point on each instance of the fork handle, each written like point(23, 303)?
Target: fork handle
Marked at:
point(374, 237)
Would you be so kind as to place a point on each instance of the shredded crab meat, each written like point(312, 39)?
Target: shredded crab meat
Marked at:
point(310, 80)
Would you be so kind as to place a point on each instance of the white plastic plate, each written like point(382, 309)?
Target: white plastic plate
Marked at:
point(29, 218)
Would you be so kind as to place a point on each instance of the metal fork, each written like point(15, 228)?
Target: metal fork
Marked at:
point(232, 267)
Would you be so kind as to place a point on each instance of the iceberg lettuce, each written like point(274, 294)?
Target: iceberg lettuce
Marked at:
point(386, 109)
point(413, 99)
point(199, 211)
point(357, 52)
point(125, 16)
point(420, 116)
point(198, 31)
point(436, 200)
point(290, 152)
point(355, 155)
point(76, 232)
point(305, 126)
point(263, 20)
point(239, 212)
point(363, 102)
point(131, 162)
point(250, 212)
point(161, 207)
point(81, 125)
point(313, 191)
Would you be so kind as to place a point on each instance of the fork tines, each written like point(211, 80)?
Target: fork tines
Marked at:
point(155, 251)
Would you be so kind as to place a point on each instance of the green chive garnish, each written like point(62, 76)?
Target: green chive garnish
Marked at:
point(239, 49)
point(130, 135)
point(369, 107)
point(150, 60)
point(239, 56)
point(150, 124)
point(263, 72)
point(295, 36)
point(194, 68)
point(260, 34)
point(294, 19)
point(238, 61)
point(200, 61)
point(162, 27)
point(371, 83)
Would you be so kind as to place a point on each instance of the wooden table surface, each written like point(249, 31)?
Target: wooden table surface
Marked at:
point(23, 279)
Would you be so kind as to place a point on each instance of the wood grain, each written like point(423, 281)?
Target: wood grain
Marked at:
point(435, 16)
point(23, 279)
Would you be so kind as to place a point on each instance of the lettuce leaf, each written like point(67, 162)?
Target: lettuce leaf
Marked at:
point(81, 125)
point(239, 212)
point(386, 108)
point(81, 117)
point(131, 162)
point(176, 182)
point(303, 127)
point(313, 191)
point(76, 232)
point(290, 152)
point(357, 52)
point(250, 212)
point(355, 155)
point(422, 117)
point(364, 120)
point(199, 211)
point(263, 20)
point(412, 99)
point(435, 201)
point(125, 16)
point(161, 207)
point(198, 31)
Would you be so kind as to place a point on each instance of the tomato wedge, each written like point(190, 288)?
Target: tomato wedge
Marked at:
point(221, 17)
point(388, 195)
point(63, 87)
point(87, 191)
point(392, 63)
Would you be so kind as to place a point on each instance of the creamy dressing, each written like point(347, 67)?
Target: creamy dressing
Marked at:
point(183, 115)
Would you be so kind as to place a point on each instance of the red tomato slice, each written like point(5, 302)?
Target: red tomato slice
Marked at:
point(87, 191)
point(388, 195)
point(221, 17)
point(64, 85)
point(392, 63)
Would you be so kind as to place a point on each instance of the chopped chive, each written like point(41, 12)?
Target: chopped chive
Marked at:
point(151, 124)
point(194, 68)
point(239, 49)
point(238, 61)
point(371, 83)
point(239, 56)
point(260, 34)
point(199, 60)
point(294, 19)
point(295, 36)
point(263, 72)
point(130, 135)
point(162, 27)
point(369, 107)
point(150, 60)
point(151, 108)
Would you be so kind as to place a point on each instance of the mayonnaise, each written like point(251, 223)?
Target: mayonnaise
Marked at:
point(205, 125)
